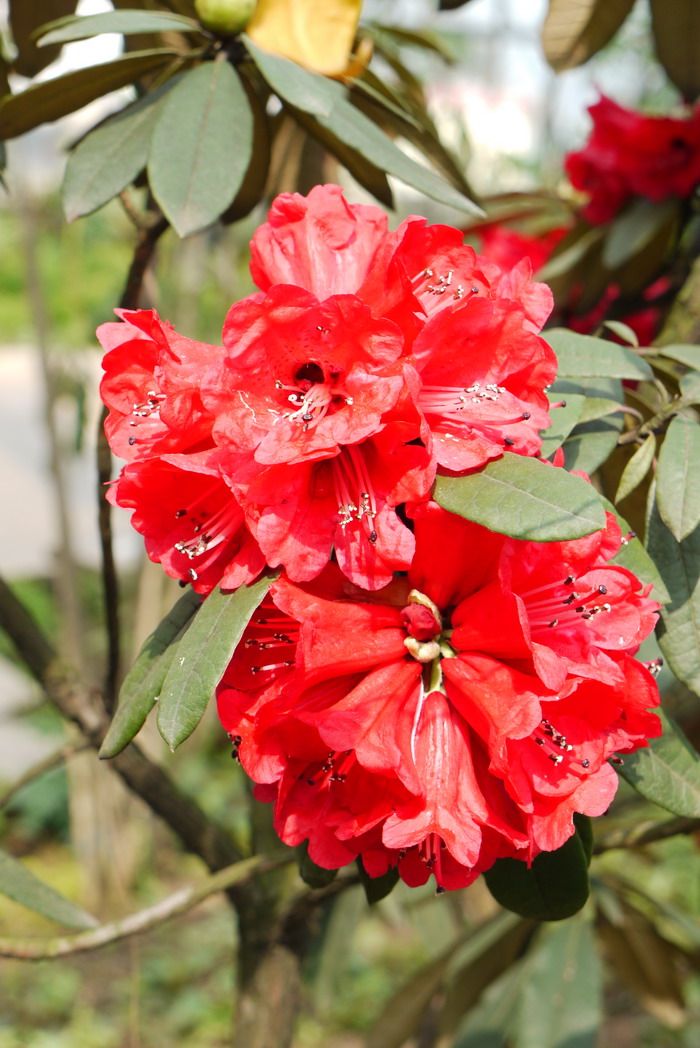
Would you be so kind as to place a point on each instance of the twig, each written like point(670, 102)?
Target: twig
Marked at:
point(173, 906)
point(645, 833)
point(143, 253)
point(50, 762)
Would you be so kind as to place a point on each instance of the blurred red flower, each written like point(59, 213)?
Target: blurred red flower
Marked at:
point(460, 714)
point(630, 154)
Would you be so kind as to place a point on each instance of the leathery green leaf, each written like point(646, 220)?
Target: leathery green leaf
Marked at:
point(144, 680)
point(582, 356)
point(667, 771)
point(677, 477)
point(633, 556)
point(574, 32)
point(524, 498)
point(20, 884)
point(202, 656)
point(80, 27)
point(637, 468)
point(553, 887)
point(201, 146)
point(563, 421)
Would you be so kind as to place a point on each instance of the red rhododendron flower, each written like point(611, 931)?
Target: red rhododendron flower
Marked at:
point(460, 714)
point(629, 154)
point(368, 360)
point(507, 247)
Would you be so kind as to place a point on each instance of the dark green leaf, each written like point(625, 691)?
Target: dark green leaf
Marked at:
point(555, 886)
point(561, 1002)
point(678, 477)
point(55, 98)
point(377, 888)
point(524, 498)
point(110, 157)
point(201, 146)
point(575, 30)
point(584, 829)
point(582, 356)
point(667, 772)
point(20, 884)
point(144, 680)
point(25, 18)
point(636, 227)
point(563, 421)
point(676, 29)
point(82, 27)
point(202, 656)
point(589, 445)
point(326, 100)
point(633, 556)
point(489, 1025)
point(311, 874)
point(424, 39)
point(637, 468)
point(679, 566)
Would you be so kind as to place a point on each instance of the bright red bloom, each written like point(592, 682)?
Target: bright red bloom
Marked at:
point(629, 154)
point(460, 714)
point(369, 360)
point(507, 247)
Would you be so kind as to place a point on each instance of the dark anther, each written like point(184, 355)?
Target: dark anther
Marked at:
point(526, 415)
point(132, 440)
point(602, 589)
point(440, 890)
point(508, 442)
point(373, 537)
point(180, 512)
point(585, 763)
point(568, 581)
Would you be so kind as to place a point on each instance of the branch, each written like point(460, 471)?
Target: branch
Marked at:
point(50, 762)
point(84, 707)
point(173, 906)
point(644, 833)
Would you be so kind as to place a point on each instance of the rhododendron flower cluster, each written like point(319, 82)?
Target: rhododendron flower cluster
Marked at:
point(368, 361)
point(415, 690)
point(630, 154)
point(461, 714)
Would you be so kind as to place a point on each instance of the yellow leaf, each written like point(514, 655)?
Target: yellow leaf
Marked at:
point(318, 34)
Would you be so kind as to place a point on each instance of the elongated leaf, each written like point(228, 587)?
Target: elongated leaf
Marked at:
point(555, 886)
point(377, 888)
point(144, 680)
point(637, 468)
point(55, 98)
point(679, 567)
point(20, 884)
point(667, 772)
point(311, 874)
point(582, 356)
point(110, 157)
point(589, 444)
point(202, 656)
point(563, 421)
point(633, 556)
point(623, 331)
point(489, 1025)
point(561, 1002)
point(125, 22)
point(524, 498)
point(201, 146)
point(689, 386)
point(684, 354)
point(676, 28)
point(326, 100)
point(635, 228)
point(575, 30)
point(678, 477)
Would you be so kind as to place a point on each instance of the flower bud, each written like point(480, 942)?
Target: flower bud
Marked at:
point(225, 17)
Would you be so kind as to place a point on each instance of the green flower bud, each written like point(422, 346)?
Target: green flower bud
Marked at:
point(225, 17)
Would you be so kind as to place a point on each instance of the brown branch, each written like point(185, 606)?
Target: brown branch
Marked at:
point(146, 244)
point(644, 833)
point(54, 760)
point(173, 906)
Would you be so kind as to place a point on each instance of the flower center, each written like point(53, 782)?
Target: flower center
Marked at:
point(354, 491)
point(558, 604)
point(312, 394)
point(435, 289)
point(210, 525)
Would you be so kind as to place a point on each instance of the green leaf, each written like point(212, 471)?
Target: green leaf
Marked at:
point(25, 19)
point(55, 98)
point(201, 146)
point(489, 1025)
point(20, 884)
point(81, 27)
point(561, 1002)
point(144, 680)
point(202, 657)
point(582, 356)
point(689, 386)
point(575, 31)
point(110, 157)
point(555, 886)
point(676, 28)
point(634, 228)
point(679, 566)
point(563, 421)
point(524, 498)
point(377, 888)
point(623, 331)
point(327, 101)
point(684, 354)
point(677, 477)
point(589, 445)
point(666, 772)
point(637, 468)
